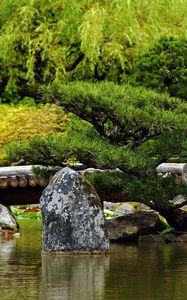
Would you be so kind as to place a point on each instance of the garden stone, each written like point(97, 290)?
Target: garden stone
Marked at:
point(108, 205)
point(170, 237)
point(72, 217)
point(151, 238)
point(177, 218)
point(125, 209)
point(7, 220)
point(143, 207)
point(176, 213)
point(130, 227)
point(182, 238)
point(179, 201)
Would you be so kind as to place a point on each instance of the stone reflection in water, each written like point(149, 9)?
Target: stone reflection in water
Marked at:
point(6, 249)
point(73, 277)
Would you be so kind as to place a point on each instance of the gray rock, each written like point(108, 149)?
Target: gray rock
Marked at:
point(125, 209)
point(130, 227)
point(184, 173)
point(170, 237)
point(143, 207)
point(108, 205)
point(184, 208)
point(179, 201)
point(176, 213)
point(151, 238)
point(73, 221)
point(7, 220)
point(182, 238)
point(177, 218)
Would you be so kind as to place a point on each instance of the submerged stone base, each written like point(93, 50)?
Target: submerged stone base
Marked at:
point(72, 217)
point(77, 253)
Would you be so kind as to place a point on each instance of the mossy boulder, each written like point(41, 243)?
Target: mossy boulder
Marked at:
point(72, 216)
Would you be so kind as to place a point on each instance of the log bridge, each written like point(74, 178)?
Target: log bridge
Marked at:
point(20, 186)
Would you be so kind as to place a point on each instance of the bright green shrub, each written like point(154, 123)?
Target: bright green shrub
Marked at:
point(19, 123)
point(164, 67)
point(22, 122)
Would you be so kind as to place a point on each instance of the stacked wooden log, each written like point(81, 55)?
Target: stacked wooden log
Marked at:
point(177, 169)
point(20, 176)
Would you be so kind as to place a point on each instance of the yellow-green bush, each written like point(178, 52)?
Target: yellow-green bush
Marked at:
point(19, 123)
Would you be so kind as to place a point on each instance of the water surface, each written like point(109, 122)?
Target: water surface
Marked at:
point(131, 272)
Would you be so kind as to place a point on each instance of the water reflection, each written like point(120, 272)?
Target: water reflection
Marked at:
point(147, 272)
point(20, 265)
point(6, 249)
point(131, 272)
point(78, 277)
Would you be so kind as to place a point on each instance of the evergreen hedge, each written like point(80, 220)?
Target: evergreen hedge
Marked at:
point(164, 67)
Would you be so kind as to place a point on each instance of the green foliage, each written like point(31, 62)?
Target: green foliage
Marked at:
point(148, 188)
point(22, 122)
point(107, 182)
point(164, 67)
point(19, 123)
point(36, 150)
point(111, 108)
point(171, 144)
point(139, 128)
point(154, 190)
point(50, 41)
point(145, 121)
point(26, 212)
point(166, 228)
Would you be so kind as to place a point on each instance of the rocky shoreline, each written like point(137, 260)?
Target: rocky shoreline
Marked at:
point(126, 222)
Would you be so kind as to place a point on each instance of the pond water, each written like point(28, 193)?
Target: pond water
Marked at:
point(131, 272)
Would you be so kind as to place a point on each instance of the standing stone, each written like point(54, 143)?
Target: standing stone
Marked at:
point(73, 221)
point(7, 220)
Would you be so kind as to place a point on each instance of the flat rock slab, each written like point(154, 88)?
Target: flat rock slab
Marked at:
point(129, 227)
point(72, 217)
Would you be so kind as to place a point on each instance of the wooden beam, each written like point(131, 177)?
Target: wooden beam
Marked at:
point(18, 170)
point(172, 168)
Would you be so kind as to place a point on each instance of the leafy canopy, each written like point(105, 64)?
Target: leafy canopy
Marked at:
point(44, 41)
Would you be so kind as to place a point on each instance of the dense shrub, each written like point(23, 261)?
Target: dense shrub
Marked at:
point(55, 151)
point(19, 123)
point(80, 143)
point(164, 67)
point(124, 127)
point(154, 190)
